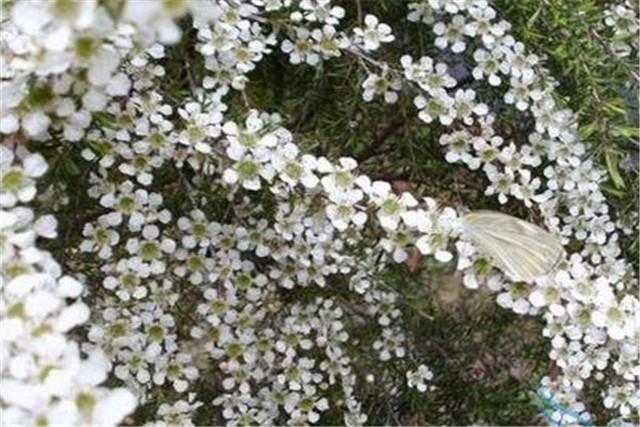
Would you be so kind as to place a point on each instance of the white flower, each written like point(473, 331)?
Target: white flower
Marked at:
point(436, 107)
point(343, 214)
point(35, 123)
point(391, 344)
point(373, 34)
point(320, 11)
point(488, 64)
point(396, 244)
point(340, 182)
point(417, 379)
point(249, 140)
point(622, 18)
point(180, 412)
point(248, 170)
point(522, 91)
point(46, 379)
point(464, 105)
point(72, 316)
point(149, 253)
point(451, 34)
point(501, 182)
point(487, 151)
point(125, 282)
point(108, 408)
point(329, 42)
point(459, 148)
point(432, 79)
point(196, 229)
point(391, 208)
point(381, 85)
point(140, 162)
point(100, 237)
point(175, 368)
point(294, 169)
point(482, 25)
point(420, 12)
point(102, 63)
point(9, 123)
point(156, 20)
point(613, 318)
point(548, 292)
point(526, 189)
point(625, 398)
point(200, 126)
point(17, 182)
point(515, 297)
point(58, 19)
point(436, 239)
point(301, 48)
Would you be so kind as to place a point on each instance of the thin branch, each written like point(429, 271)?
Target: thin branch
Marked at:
point(376, 148)
point(359, 11)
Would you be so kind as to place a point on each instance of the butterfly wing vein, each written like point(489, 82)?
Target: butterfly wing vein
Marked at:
point(522, 250)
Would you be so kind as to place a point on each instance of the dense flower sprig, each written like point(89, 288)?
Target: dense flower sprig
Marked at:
point(622, 20)
point(211, 287)
point(45, 380)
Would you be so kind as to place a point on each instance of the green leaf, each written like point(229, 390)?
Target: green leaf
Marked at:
point(627, 132)
point(70, 167)
point(612, 191)
point(616, 106)
point(534, 17)
point(587, 130)
point(100, 148)
point(104, 119)
point(612, 159)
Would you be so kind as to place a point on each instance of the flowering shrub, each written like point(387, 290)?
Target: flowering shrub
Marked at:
point(227, 271)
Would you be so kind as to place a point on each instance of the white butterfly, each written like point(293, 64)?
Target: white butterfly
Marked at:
point(520, 249)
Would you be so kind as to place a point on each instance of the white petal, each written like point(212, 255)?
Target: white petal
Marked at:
point(72, 316)
point(35, 123)
point(443, 256)
point(230, 176)
point(119, 85)
point(69, 287)
point(9, 124)
point(537, 298)
point(46, 226)
point(114, 407)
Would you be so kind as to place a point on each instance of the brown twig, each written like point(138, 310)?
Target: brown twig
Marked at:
point(376, 148)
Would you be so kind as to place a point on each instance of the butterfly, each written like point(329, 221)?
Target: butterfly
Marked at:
point(523, 251)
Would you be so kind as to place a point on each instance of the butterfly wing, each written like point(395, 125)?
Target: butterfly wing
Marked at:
point(520, 249)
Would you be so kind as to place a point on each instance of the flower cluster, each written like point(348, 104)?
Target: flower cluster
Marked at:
point(581, 300)
point(62, 59)
point(227, 261)
point(150, 264)
point(45, 380)
point(622, 20)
